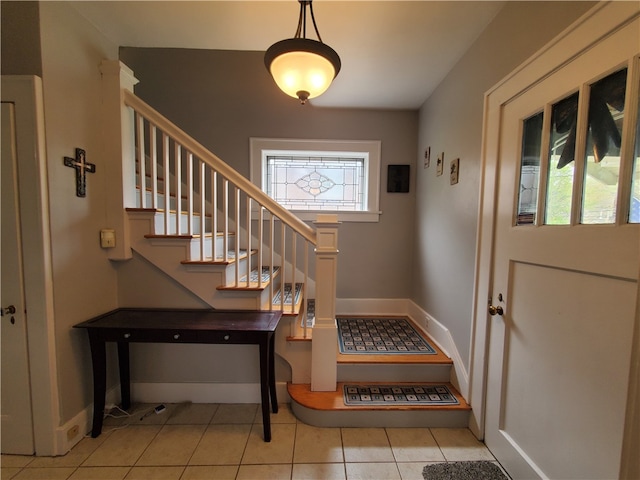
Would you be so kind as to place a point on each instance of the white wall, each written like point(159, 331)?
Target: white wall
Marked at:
point(85, 282)
point(451, 122)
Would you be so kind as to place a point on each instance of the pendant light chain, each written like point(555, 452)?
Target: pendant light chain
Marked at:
point(301, 19)
point(301, 32)
point(313, 18)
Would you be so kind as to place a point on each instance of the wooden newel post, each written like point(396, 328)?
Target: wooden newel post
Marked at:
point(325, 335)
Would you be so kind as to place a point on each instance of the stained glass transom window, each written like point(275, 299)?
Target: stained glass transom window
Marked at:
point(305, 182)
point(311, 177)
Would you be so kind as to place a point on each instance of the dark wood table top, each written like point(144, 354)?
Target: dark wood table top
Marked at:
point(186, 319)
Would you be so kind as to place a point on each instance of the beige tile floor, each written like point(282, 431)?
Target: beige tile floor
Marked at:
point(210, 441)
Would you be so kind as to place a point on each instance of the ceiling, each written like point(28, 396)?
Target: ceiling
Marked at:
point(393, 53)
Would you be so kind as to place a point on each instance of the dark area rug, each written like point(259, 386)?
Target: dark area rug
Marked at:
point(380, 336)
point(481, 470)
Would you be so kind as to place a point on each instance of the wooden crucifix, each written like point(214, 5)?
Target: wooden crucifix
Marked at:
point(82, 167)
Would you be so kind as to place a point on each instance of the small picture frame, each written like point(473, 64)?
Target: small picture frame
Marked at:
point(454, 171)
point(427, 157)
point(398, 178)
point(440, 164)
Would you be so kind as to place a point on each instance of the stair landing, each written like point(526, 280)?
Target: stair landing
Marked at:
point(327, 409)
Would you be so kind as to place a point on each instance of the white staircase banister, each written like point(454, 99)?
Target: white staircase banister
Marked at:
point(131, 100)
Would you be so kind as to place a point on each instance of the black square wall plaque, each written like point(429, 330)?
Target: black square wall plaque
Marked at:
point(398, 178)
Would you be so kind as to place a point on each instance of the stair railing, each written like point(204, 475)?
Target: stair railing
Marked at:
point(175, 173)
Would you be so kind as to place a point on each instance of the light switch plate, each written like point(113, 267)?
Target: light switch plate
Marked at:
point(107, 238)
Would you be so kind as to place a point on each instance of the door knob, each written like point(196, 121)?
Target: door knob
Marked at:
point(10, 310)
point(495, 310)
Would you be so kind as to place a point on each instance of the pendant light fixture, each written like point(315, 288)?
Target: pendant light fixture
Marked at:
point(303, 68)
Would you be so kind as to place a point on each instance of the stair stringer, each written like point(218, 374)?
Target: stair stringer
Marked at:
point(166, 254)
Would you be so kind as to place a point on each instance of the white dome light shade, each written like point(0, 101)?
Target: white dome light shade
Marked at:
point(302, 72)
point(302, 68)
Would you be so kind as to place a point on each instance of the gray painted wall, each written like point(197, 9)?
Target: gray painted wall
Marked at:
point(222, 98)
point(451, 122)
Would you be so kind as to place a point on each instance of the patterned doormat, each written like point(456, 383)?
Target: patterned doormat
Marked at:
point(362, 395)
point(380, 336)
point(480, 470)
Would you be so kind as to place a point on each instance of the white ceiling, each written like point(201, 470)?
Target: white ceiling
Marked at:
point(393, 53)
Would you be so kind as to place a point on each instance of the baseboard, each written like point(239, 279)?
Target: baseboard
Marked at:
point(202, 392)
point(371, 306)
point(444, 340)
point(436, 330)
point(82, 423)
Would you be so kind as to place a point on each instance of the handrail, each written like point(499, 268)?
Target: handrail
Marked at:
point(288, 218)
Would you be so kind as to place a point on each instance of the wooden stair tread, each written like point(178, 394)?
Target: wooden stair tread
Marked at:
point(438, 358)
point(183, 236)
point(332, 401)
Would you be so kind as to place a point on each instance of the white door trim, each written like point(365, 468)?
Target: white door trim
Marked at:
point(25, 91)
point(590, 29)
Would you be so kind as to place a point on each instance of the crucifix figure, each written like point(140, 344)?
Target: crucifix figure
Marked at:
point(81, 166)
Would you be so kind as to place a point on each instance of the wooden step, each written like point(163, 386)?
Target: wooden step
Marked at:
point(410, 358)
point(253, 280)
point(328, 409)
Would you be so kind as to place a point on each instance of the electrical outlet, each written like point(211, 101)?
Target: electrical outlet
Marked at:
point(73, 432)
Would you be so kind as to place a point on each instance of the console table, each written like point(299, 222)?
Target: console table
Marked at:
point(127, 325)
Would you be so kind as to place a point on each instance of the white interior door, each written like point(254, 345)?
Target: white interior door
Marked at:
point(559, 354)
point(17, 423)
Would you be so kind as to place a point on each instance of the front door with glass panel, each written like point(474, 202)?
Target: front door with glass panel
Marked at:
point(565, 267)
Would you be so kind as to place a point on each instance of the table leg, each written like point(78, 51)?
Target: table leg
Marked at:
point(264, 388)
point(99, 362)
point(125, 383)
point(272, 374)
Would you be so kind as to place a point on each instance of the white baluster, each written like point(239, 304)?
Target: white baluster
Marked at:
point(166, 183)
point(225, 220)
point(153, 160)
point(178, 186)
point(271, 260)
point(294, 241)
point(305, 288)
point(248, 200)
point(189, 193)
point(260, 235)
point(237, 242)
point(142, 161)
point(203, 176)
point(214, 213)
point(283, 271)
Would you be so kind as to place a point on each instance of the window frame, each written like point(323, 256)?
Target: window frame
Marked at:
point(260, 148)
